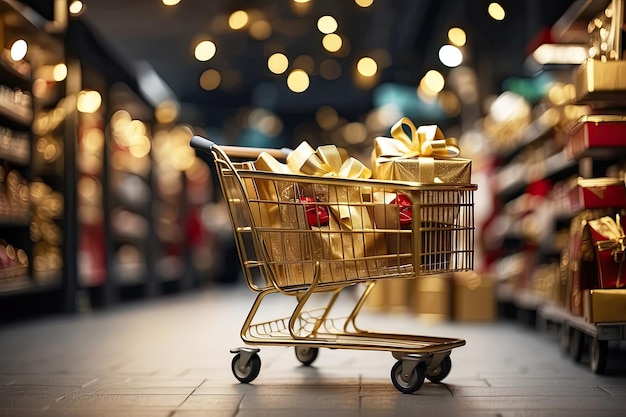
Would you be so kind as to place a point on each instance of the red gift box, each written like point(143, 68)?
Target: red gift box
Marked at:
point(596, 132)
point(610, 247)
point(597, 193)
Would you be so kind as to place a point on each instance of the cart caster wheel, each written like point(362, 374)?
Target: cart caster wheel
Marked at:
point(442, 370)
point(576, 344)
point(306, 355)
point(598, 355)
point(246, 372)
point(408, 384)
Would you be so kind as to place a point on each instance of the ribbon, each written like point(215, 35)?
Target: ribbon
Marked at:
point(426, 142)
point(616, 242)
point(327, 161)
point(612, 229)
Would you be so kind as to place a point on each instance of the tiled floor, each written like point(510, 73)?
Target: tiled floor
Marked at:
point(170, 357)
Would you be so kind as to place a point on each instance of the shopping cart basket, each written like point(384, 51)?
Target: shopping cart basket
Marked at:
point(300, 235)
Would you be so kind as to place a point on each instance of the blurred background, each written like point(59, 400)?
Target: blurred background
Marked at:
point(103, 201)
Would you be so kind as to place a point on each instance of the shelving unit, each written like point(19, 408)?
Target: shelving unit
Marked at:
point(34, 272)
point(538, 169)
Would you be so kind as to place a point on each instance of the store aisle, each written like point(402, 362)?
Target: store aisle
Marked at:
point(170, 357)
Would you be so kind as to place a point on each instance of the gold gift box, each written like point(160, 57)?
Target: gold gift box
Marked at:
point(473, 297)
point(451, 170)
point(604, 306)
point(598, 81)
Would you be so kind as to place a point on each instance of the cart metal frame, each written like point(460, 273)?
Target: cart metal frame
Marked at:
point(433, 247)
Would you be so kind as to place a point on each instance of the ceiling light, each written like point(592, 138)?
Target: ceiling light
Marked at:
point(171, 2)
point(18, 50)
point(238, 20)
point(260, 30)
point(210, 80)
point(496, 11)
point(298, 81)
point(364, 3)
point(450, 56)
point(457, 36)
point(327, 24)
point(204, 50)
point(332, 42)
point(367, 67)
point(277, 63)
point(433, 82)
point(76, 8)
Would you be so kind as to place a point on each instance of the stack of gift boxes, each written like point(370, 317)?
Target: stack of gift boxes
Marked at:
point(596, 281)
point(412, 154)
point(594, 277)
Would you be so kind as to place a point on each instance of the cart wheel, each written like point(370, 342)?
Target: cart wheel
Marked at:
point(441, 371)
point(598, 355)
point(408, 384)
point(576, 344)
point(306, 355)
point(246, 373)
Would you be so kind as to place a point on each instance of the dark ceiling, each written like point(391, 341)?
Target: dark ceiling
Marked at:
point(410, 30)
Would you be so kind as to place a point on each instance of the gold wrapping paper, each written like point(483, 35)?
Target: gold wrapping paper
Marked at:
point(287, 246)
point(424, 155)
point(350, 231)
point(419, 154)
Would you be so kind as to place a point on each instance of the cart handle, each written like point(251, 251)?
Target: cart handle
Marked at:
point(207, 145)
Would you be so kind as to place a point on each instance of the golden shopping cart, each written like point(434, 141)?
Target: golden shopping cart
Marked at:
point(299, 235)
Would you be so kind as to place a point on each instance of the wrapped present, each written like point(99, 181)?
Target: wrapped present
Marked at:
point(287, 246)
point(418, 154)
point(594, 134)
point(601, 81)
point(605, 306)
point(597, 193)
point(423, 155)
point(347, 232)
point(609, 242)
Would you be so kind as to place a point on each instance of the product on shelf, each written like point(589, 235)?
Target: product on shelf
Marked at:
point(597, 133)
point(14, 192)
point(13, 262)
point(589, 193)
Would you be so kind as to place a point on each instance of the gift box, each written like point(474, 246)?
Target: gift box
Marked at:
point(423, 154)
point(601, 81)
point(344, 238)
point(609, 241)
point(605, 306)
point(581, 270)
point(419, 155)
point(473, 297)
point(432, 297)
point(596, 133)
point(348, 232)
point(282, 224)
point(597, 193)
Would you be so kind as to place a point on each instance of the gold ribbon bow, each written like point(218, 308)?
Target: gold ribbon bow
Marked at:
point(612, 229)
point(427, 142)
point(328, 161)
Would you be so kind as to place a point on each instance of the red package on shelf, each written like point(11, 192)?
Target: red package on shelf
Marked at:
point(590, 193)
point(609, 242)
point(596, 132)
